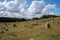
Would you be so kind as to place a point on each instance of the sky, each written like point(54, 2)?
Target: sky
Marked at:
point(29, 8)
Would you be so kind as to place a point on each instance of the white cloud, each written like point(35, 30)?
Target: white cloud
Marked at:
point(35, 8)
point(37, 0)
point(48, 7)
point(51, 13)
point(39, 8)
point(16, 8)
point(12, 8)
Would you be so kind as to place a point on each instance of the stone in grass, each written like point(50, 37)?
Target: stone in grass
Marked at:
point(58, 34)
point(1, 31)
point(6, 29)
point(14, 25)
point(58, 22)
point(31, 39)
point(11, 34)
point(31, 27)
point(6, 25)
point(34, 24)
point(48, 25)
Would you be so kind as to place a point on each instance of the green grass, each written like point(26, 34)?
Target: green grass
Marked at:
point(23, 31)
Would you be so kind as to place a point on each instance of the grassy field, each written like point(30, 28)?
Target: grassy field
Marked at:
point(31, 30)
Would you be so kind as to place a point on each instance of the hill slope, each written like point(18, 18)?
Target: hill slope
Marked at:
point(31, 30)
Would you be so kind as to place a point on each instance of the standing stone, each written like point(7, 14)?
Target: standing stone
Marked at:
point(3, 27)
point(48, 25)
point(14, 25)
point(31, 39)
point(6, 29)
point(2, 32)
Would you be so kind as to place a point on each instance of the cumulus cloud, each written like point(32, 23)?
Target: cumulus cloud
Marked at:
point(51, 13)
point(37, 0)
point(17, 8)
point(12, 8)
point(39, 8)
point(48, 7)
point(35, 8)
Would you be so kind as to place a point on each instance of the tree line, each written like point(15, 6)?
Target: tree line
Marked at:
point(10, 19)
point(46, 16)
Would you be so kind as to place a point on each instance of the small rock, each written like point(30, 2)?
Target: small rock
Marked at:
point(2, 32)
point(31, 27)
point(6, 29)
point(35, 24)
point(14, 25)
point(31, 39)
point(6, 25)
point(11, 34)
point(3, 27)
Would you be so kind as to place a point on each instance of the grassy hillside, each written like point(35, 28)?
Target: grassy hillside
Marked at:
point(31, 30)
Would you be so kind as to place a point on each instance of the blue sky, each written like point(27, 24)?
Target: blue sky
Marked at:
point(30, 8)
point(57, 2)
